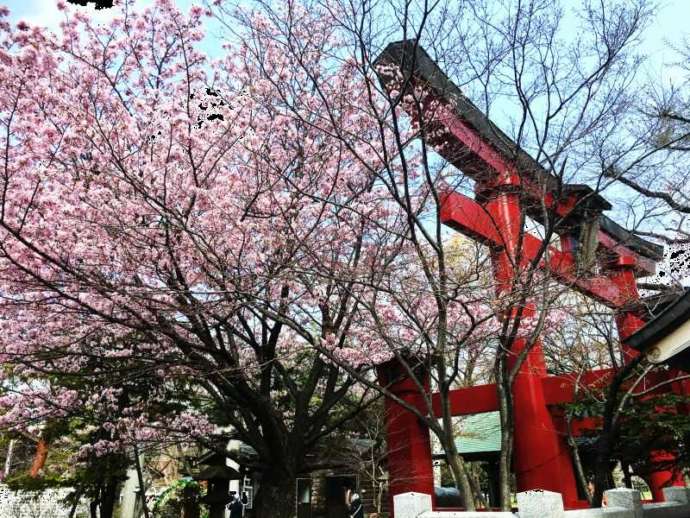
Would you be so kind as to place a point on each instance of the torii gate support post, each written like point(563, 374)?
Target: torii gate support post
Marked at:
point(541, 457)
point(410, 464)
point(628, 321)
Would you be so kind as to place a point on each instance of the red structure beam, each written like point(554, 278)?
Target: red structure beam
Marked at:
point(469, 400)
point(468, 217)
point(562, 389)
point(558, 390)
point(465, 137)
point(470, 149)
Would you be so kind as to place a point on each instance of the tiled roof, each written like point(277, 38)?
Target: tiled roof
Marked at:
point(479, 433)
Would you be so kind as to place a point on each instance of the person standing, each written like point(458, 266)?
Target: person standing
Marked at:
point(356, 508)
point(236, 505)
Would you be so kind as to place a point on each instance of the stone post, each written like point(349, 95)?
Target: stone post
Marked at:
point(540, 504)
point(411, 505)
point(677, 494)
point(626, 498)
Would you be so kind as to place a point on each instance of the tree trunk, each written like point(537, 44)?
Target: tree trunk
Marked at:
point(40, 458)
point(457, 467)
point(140, 479)
point(577, 462)
point(602, 468)
point(473, 475)
point(93, 508)
point(506, 415)
point(75, 504)
point(276, 496)
point(8, 459)
point(217, 497)
point(190, 502)
point(107, 500)
point(455, 462)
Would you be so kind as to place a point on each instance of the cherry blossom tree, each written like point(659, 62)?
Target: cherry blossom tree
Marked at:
point(168, 218)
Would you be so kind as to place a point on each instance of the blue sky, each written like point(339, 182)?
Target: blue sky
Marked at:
point(670, 27)
point(669, 30)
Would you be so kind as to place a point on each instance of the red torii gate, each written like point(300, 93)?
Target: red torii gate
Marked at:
point(505, 187)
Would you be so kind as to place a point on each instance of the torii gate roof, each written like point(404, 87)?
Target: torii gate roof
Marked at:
point(495, 149)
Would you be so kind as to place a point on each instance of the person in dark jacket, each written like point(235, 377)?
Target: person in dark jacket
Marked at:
point(356, 508)
point(236, 505)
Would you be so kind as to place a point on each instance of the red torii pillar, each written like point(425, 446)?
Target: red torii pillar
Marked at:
point(628, 321)
point(541, 457)
point(410, 465)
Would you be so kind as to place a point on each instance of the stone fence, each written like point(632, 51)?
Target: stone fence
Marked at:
point(622, 503)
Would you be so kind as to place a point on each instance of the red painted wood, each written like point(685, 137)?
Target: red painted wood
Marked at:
point(628, 321)
point(645, 266)
point(468, 217)
point(541, 457)
point(469, 400)
point(561, 389)
point(410, 464)
point(557, 390)
point(465, 149)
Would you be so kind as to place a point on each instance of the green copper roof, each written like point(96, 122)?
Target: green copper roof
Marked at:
point(479, 433)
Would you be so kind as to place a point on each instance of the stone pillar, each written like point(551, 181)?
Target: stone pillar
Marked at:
point(411, 505)
point(540, 504)
point(625, 498)
point(677, 494)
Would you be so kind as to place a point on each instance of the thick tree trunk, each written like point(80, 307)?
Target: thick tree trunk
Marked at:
point(107, 500)
point(276, 496)
point(217, 497)
point(140, 479)
point(462, 480)
point(190, 503)
point(602, 468)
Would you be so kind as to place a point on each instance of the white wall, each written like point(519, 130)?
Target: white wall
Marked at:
point(43, 504)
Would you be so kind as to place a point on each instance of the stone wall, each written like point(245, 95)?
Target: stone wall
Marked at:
point(39, 504)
